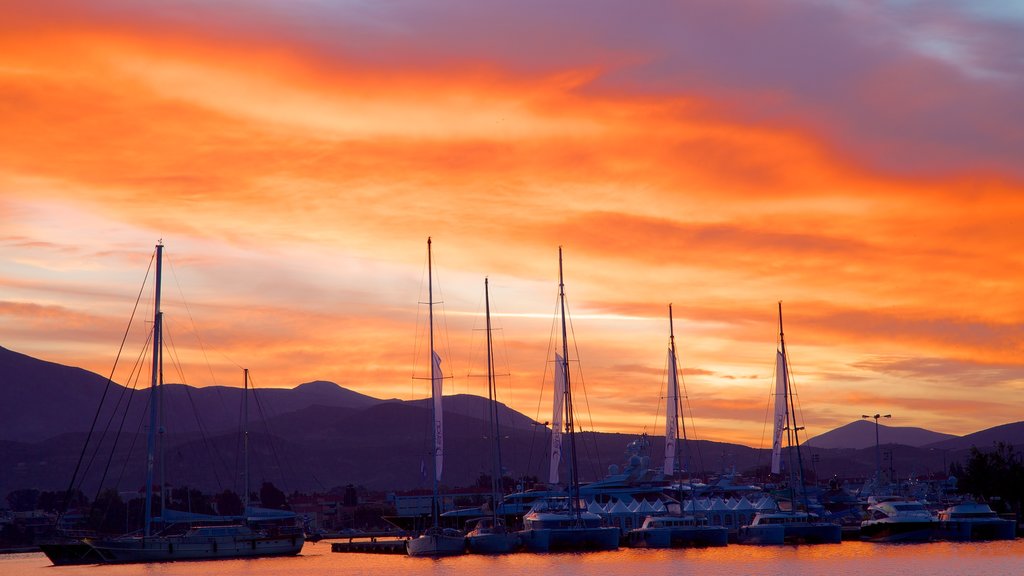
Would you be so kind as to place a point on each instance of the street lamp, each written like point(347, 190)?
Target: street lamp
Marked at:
point(878, 456)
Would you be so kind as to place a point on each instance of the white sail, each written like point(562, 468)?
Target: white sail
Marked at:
point(671, 416)
point(437, 378)
point(781, 410)
point(556, 419)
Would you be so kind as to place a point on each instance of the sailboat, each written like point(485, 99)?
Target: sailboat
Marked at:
point(435, 541)
point(564, 523)
point(184, 535)
point(675, 528)
point(796, 525)
point(490, 535)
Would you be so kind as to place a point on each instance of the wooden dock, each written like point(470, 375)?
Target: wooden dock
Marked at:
point(371, 546)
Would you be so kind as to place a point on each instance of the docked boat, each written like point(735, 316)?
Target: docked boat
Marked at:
point(198, 543)
point(798, 525)
point(896, 519)
point(677, 531)
point(674, 528)
point(490, 535)
point(797, 528)
point(436, 541)
point(761, 534)
point(564, 523)
point(973, 521)
point(555, 524)
point(177, 535)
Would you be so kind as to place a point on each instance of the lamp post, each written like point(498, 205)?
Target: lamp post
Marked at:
point(878, 455)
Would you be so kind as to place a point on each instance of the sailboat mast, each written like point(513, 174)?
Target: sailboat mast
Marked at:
point(245, 442)
point(791, 416)
point(153, 400)
point(433, 376)
point(672, 405)
point(570, 427)
point(492, 411)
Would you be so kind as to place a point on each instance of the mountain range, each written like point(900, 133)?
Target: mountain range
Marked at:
point(319, 435)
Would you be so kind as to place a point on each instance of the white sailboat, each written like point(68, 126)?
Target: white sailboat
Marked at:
point(798, 525)
point(564, 523)
point(490, 535)
point(675, 528)
point(436, 541)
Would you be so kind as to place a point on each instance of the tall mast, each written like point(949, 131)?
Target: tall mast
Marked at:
point(492, 412)
point(245, 443)
point(153, 400)
point(791, 416)
point(672, 413)
point(433, 376)
point(570, 428)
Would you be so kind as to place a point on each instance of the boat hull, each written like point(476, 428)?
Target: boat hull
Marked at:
point(678, 537)
point(434, 545)
point(898, 531)
point(813, 533)
point(975, 530)
point(70, 553)
point(495, 543)
point(761, 534)
point(570, 539)
point(169, 549)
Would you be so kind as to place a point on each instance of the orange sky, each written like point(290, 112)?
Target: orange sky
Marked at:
point(294, 157)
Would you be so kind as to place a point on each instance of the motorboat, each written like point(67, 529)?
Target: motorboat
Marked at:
point(896, 519)
point(971, 521)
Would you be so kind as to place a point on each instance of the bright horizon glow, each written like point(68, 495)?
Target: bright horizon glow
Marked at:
point(294, 157)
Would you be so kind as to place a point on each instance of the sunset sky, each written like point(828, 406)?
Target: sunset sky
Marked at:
point(862, 162)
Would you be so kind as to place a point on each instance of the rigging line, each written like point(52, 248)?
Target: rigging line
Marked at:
point(195, 330)
point(134, 376)
point(586, 397)
point(110, 419)
point(693, 425)
point(540, 397)
point(106, 388)
point(508, 380)
point(270, 434)
point(131, 447)
point(176, 361)
point(238, 444)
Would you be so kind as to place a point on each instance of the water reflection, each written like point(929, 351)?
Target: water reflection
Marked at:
point(846, 559)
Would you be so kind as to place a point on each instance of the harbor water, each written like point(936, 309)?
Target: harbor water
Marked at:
point(847, 559)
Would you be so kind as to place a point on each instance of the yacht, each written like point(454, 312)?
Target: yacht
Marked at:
point(554, 524)
point(797, 528)
point(970, 521)
point(676, 531)
point(896, 519)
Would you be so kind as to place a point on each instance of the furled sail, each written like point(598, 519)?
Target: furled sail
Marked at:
point(671, 415)
point(438, 379)
point(781, 411)
point(556, 419)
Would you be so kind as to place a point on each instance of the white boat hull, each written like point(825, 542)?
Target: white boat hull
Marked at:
point(433, 545)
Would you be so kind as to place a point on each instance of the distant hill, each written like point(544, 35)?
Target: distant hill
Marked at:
point(42, 400)
point(861, 434)
point(1012, 433)
point(320, 435)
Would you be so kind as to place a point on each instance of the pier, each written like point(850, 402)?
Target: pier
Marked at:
point(371, 546)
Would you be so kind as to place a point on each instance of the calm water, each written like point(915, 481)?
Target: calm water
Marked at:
point(848, 558)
